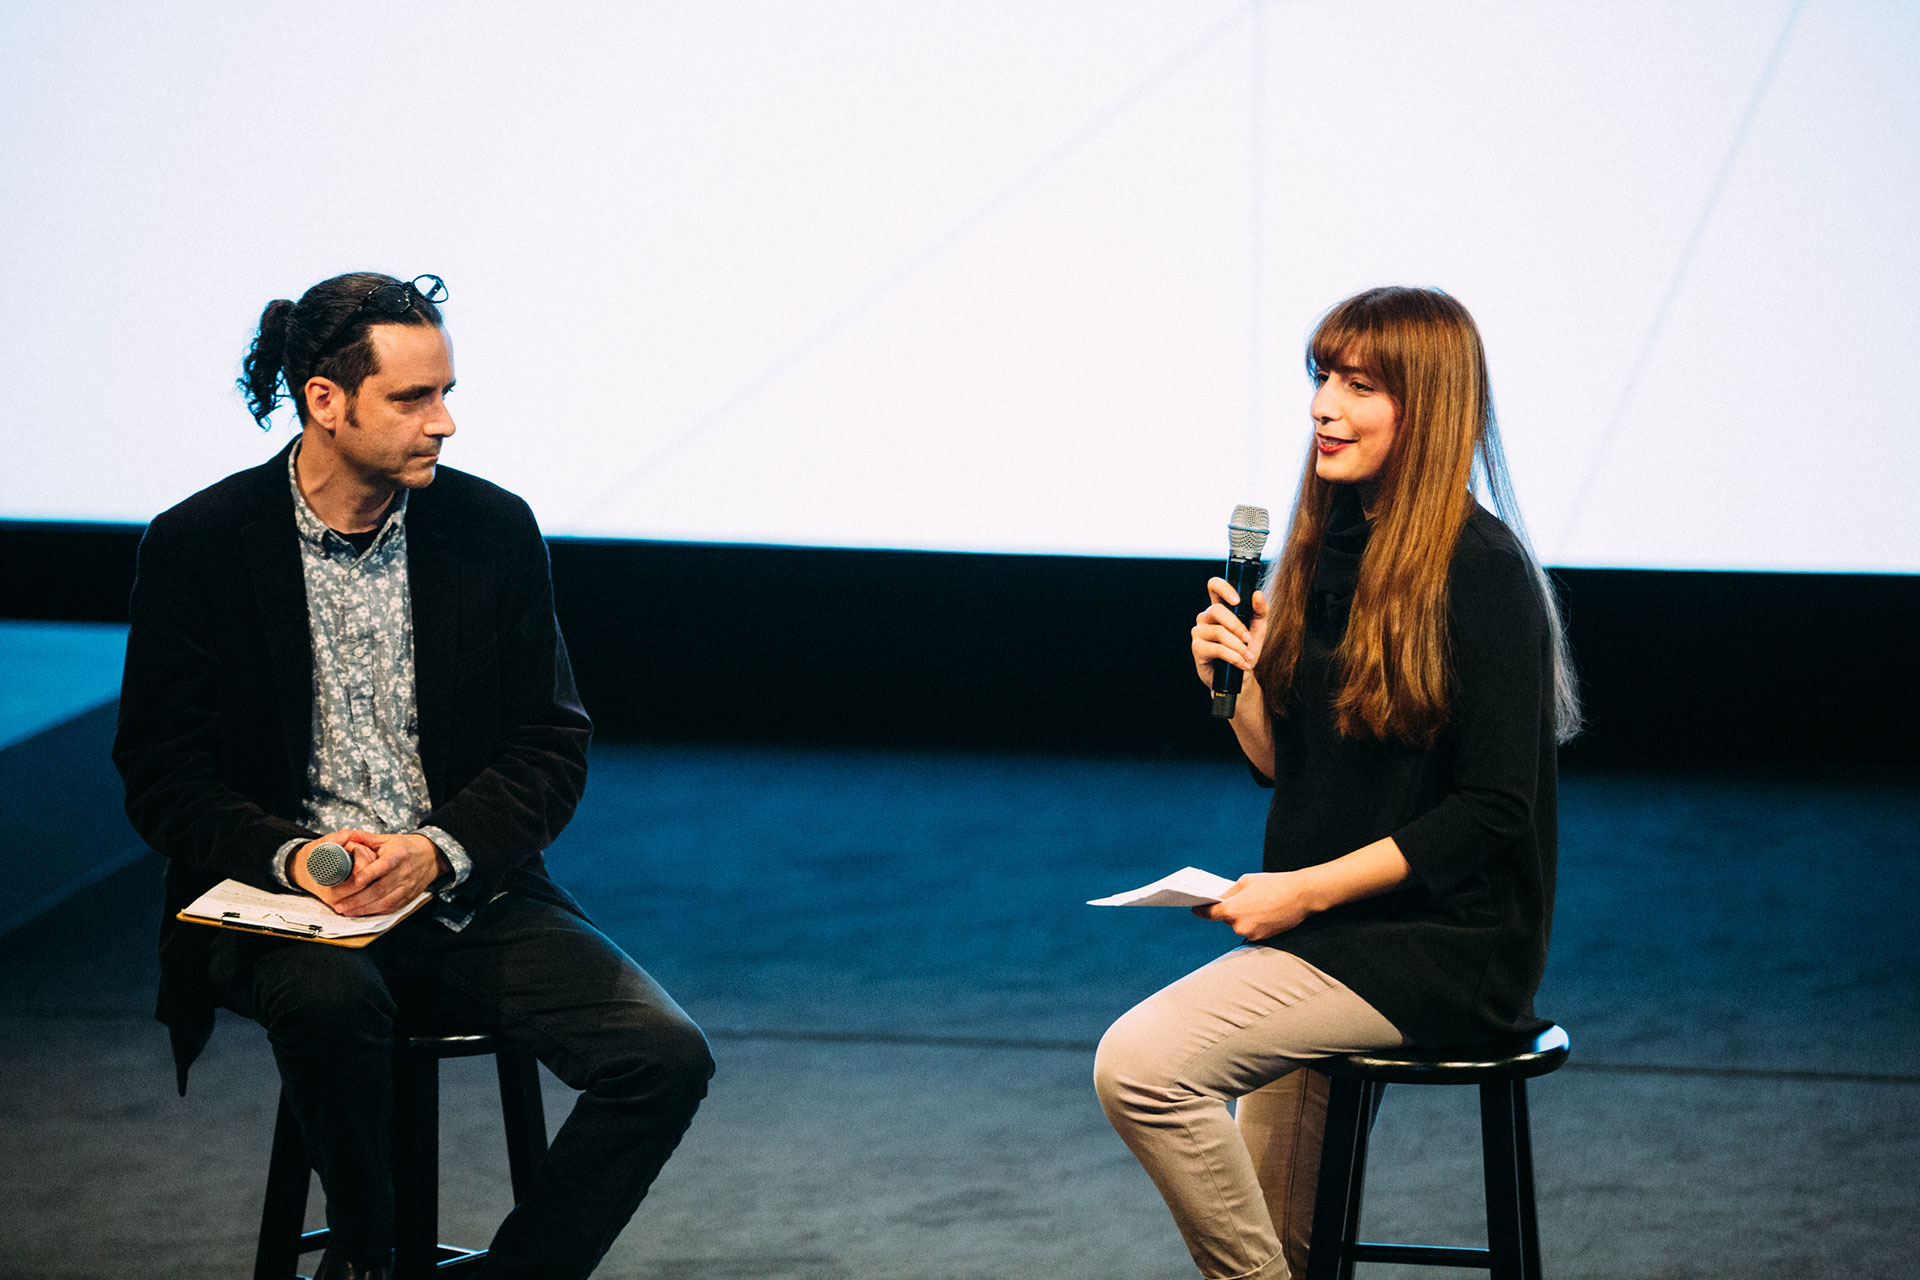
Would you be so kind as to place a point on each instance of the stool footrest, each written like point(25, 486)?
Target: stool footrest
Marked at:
point(455, 1261)
point(1421, 1255)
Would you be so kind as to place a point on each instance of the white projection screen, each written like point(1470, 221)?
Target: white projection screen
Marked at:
point(1002, 277)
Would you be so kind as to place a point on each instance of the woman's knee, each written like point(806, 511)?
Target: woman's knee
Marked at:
point(1128, 1070)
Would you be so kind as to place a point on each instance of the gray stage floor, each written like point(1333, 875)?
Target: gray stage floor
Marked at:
point(903, 989)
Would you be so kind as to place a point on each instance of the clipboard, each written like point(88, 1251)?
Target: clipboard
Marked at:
point(233, 905)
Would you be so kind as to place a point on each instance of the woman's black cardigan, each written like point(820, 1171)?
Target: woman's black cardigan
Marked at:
point(1456, 954)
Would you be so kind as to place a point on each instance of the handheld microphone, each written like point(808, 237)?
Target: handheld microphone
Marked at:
point(1246, 539)
point(329, 864)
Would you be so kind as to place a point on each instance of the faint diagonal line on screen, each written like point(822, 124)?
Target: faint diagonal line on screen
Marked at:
point(914, 263)
point(1656, 329)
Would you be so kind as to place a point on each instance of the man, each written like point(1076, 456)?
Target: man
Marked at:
point(353, 644)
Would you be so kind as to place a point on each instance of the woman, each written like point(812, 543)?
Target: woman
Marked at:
point(1406, 686)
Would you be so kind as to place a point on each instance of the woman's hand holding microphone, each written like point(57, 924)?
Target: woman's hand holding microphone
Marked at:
point(1220, 636)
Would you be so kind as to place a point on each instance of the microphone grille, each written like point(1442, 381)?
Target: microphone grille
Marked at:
point(1247, 532)
point(329, 864)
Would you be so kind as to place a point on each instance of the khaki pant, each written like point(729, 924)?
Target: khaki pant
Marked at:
point(1241, 1187)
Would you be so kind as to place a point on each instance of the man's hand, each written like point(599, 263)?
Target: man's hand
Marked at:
point(1264, 903)
point(399, 868)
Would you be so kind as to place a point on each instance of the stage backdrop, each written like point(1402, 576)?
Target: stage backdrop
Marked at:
point(989, 276)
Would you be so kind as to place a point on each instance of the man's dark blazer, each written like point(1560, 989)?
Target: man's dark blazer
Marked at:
point(216, 705)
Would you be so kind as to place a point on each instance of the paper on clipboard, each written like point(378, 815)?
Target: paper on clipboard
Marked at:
point(1187, 887)
point(233, 905)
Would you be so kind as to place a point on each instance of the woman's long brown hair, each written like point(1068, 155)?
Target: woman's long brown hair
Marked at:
point(1391, 670)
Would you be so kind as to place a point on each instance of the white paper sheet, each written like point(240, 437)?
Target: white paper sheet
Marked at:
point(231, 902)
point(1187, 887)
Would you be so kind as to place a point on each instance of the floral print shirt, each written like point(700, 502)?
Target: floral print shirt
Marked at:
point(364, 770)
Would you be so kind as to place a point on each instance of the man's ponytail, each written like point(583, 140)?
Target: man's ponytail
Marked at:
point(260, 372)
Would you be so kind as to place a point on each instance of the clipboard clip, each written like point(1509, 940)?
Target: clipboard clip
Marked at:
point(287, 926)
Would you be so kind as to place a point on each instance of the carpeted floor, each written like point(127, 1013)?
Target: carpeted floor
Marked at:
point(903, 989)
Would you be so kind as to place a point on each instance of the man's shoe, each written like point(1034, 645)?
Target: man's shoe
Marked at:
point(334, 1266)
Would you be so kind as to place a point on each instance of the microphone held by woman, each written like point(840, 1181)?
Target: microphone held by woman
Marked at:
point(1246, 539)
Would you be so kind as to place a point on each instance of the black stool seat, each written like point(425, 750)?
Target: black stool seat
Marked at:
point(444, 1043)
point(417, 1053)
point(1500, 1070)
point(1518, 1058)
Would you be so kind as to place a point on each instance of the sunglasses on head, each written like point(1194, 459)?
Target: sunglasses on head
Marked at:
point(394, 298)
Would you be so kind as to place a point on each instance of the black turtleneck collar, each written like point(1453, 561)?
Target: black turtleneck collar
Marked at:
point(1345, 541)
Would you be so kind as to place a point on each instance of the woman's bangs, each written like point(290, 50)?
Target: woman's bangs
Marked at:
point(1344, 340)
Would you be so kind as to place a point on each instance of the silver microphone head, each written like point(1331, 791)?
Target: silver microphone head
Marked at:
point(1247, 532)
point(329, 864)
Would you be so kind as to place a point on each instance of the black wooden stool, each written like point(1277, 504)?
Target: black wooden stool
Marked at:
point(416, 1159)
point(1502, 1071)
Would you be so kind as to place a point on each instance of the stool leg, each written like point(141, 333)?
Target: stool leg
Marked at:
point(524, 1113)
point(1343, 1168)
point(284, 1213)
point(1500, 1151)
point(1371, 1092)
point(416, 1165)
point(1523, 1153)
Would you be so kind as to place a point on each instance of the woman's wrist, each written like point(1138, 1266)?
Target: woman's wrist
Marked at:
point(1322, 890)
point(1254, 730)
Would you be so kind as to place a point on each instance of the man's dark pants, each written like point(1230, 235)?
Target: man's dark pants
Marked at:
point(524, 969)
